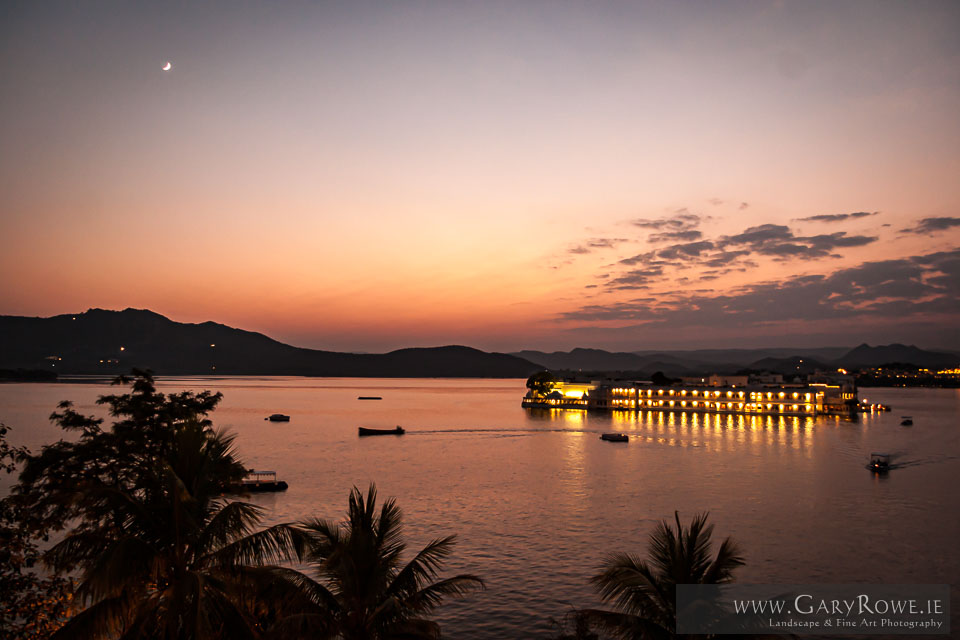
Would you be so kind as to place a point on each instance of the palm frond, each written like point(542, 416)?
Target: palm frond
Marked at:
point(643, 594)
point(727, 559)
point(124, 564)
point(389, 530)
point(228, 522)
point(324, 536)
point(279, 543)
point(285, 586)
point(225, 618)
point(303, 625)
point(625, 625)
point(631, 585)
point(432, 595)
point(104, 619)
point(422, 567)
point(415, 629)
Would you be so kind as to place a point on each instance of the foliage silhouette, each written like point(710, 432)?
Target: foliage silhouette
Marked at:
point(173, 564)
point(123, 457)
point(159, 553)
point(541, 383)
point(32, 605)
point(364, 591)
point(643, 592)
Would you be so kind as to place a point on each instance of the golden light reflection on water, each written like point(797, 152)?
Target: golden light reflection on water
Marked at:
point(574, 446)
point(717, 431)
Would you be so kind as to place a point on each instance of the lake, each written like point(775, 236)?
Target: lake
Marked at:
point(537, 500)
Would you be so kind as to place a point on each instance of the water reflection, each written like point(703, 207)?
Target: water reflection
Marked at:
point(717, 431)
point(537, 499)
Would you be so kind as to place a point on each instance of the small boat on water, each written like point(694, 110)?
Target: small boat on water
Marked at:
point(260, 482)
point(278, 417)
point(615, 437)
point(364, 431)
point(369, 398)
point(879, 462)
point(906, 421)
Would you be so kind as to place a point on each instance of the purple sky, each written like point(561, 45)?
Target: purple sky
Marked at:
point(507, 175)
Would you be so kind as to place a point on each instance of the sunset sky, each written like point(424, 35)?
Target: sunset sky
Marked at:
point(507, 175)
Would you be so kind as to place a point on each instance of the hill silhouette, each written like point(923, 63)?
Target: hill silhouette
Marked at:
point(107, 342)
point(867, 356)
point(700, 361)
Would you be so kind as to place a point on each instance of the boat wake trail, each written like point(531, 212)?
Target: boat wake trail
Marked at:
point(918, 462)
point(510, 433)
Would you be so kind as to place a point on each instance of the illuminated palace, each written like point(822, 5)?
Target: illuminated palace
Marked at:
point(769, 395)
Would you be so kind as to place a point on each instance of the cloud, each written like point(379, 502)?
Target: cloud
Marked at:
point(596, 243)
point(889, 289)
point(725, 258)
point(715, 201)
point(929, 226)
point(637, 278)
point(689, 249)
point(779, 241)
point(683, 221)
point(679, 228)
point(673, 236)
point(838, 217)
point(729, 253)
point(743, 205)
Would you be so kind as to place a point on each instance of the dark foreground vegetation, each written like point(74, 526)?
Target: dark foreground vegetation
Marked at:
point(148, 546)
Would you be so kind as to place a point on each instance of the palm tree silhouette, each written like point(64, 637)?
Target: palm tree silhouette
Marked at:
point(174, 559)
point(364, 591)
point(643, 592)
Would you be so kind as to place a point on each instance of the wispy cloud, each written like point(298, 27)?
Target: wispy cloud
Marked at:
point(733, 252)
point(838, 217)
point(679, 228)
point(929, 226)
point(675, 236)
point(596, 243)
point(682, 221)
point(928, 284)
point(780, 242)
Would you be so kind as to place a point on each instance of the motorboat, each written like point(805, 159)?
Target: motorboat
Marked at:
point(364, 431)
point(278, 417)
point(369, 397)
point(906, 421)
point(879, 462)
point(615, 437)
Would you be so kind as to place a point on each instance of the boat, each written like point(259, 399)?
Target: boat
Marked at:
point(906, 421)
point(369, 398)
point(364, 431)
point(278, 417)
point(879, 462)
point(260, 482)
point(615, 437)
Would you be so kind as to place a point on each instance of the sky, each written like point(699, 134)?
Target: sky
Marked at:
point(506, 175)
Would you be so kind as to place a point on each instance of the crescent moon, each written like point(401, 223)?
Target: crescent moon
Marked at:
point(167, 67)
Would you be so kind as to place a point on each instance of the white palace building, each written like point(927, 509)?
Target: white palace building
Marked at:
point(832, 394)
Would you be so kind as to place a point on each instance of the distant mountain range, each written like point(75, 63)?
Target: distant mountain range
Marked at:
point(112, 342)
point(778, 360)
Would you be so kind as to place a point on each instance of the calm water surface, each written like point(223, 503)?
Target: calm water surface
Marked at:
point(537, 499)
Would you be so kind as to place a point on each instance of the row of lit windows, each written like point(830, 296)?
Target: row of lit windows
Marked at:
point(754, 395)
point(739, 406)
